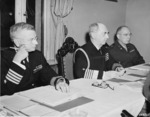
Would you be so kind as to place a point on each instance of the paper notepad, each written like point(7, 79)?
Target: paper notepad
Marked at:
point(49, 96)
point(16, 102)
point(37, 110)
point(134, 86)
point(41, 110)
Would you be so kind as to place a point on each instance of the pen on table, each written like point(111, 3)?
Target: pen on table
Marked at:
point(112, 88)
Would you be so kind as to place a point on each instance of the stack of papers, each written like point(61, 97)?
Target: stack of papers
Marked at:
point(133, 77)
point(38, 110)
point(134, 86)
point(144, 67)
point(18, 105)
point(49, 96)
point(43, 101)
point(118, 80)
point(16, 102)
point(138, 75)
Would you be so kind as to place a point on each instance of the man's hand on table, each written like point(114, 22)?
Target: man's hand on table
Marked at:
point(121, 71)
point(62, 86)
point(113, 74)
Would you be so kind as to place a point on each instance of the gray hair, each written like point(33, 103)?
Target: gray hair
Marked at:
point(93, 28)
point(20, 26)
point(118, 30)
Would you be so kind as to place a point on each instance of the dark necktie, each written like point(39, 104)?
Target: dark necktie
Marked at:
point(25, 62)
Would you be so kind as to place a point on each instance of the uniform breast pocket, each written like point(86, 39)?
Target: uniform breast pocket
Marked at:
point(37, 68)
point(133, 54)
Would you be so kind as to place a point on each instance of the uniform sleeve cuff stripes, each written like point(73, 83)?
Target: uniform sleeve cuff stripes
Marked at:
point(13, 77)
point(53, 80)
point(91, 74)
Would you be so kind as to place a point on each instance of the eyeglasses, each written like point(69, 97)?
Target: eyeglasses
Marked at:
point(34, 39)
point(103, 85)
point(126, 34)
point(30, 39)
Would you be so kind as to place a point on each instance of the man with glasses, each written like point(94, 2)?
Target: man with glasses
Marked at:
point(23, 67)
point(123, 51)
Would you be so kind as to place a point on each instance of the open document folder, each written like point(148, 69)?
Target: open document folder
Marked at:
point(49, 96)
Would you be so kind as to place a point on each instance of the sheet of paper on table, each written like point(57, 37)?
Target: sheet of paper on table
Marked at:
point(133, 81)
point(44, 101)
point(18, 106)
point(16, 102)
point(49, 96)
point(38, 110)
point(134, 86)
point(144, 67)
point(132, 78)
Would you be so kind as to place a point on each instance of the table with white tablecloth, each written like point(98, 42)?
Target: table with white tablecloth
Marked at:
point(104, 102)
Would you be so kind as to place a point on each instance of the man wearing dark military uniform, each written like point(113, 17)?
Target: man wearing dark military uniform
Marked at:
point(123, 51)
point(23, 67)
point(92, 59)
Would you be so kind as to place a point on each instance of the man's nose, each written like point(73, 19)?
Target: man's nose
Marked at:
point(35, 42)
point(107, 36)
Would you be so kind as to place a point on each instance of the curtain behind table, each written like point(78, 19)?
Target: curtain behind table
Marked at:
point(54, 28)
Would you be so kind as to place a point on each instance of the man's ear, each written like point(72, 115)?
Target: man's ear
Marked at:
point(93, 35)
point(118, 36)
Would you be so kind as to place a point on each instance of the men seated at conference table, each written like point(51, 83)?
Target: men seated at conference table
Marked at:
point(107, 98)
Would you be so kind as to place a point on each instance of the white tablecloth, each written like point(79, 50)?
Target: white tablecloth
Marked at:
point(109, 103)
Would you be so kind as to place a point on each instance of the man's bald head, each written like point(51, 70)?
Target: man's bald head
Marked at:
point(98, 33)
point(96, 27)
